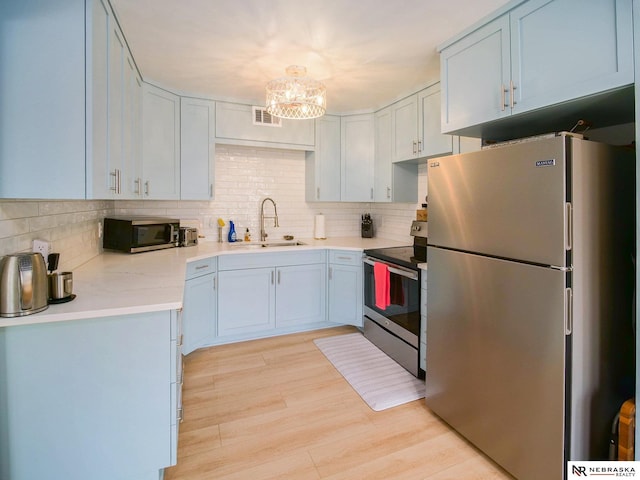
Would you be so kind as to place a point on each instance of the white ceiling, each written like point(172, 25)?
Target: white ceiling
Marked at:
point(367, 52)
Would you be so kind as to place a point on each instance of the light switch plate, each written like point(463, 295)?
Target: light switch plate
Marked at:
point(43, 247)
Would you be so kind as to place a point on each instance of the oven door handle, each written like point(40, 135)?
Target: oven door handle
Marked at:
point(404, 272)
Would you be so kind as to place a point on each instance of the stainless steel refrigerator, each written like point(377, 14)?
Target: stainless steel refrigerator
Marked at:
point(530, 299)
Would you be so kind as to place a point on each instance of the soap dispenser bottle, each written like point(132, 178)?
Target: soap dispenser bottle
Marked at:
point(247, 236)
point(232, 232)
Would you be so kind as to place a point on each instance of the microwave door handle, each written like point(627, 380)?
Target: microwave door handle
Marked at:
point(394, 269)
point(171, 233)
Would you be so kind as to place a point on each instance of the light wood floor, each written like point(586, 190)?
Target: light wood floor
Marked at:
point(277, 409)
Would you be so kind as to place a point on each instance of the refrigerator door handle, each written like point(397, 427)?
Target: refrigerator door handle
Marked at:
point(568, 314)
point(568, 234)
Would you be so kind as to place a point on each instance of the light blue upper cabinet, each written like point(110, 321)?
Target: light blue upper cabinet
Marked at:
point(393, 181)
point(322, 169)
point(160, 143)
point(541, 54)
point(132, 132)
point(42, 101)
point(70, 109)
point(100, 184)
point(564, 49)
point(383, 156)
point(113, 109)
point(238, 124)
point(357, 157)
point(404, 125)
point(475, 71)
point(197, 148)
point(432, 143)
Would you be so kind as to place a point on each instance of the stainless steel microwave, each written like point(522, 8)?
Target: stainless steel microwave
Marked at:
point(140, 234)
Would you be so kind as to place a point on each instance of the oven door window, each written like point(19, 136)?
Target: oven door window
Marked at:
point(146, 235)
point(404, 297)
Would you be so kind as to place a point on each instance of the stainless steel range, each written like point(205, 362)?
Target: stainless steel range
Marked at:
point(392, 299)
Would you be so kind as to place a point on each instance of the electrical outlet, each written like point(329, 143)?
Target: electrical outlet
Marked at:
point(43, 247)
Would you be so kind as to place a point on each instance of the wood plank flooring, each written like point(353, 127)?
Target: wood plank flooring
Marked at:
point(276, 408)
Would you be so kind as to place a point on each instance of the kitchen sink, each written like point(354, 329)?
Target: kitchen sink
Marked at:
point(279, 243)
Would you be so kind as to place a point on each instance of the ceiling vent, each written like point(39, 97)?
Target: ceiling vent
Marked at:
point(262, 117)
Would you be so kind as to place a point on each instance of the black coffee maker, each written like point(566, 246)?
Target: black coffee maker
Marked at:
point(366, 227)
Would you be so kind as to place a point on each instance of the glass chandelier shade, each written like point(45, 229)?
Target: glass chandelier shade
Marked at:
point(296, 96)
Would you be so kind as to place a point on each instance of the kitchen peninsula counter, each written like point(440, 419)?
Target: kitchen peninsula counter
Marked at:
point(114, 283)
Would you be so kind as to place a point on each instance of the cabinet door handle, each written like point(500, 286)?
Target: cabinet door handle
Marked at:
point(138, 184)
point(371, 193)
point(512, 95)
point(318, 193)
point(330, 273)
point(271, 277)
point(503, 97)
point(215, 283)
point(119, 181)
point(114, 174)
point(279, 272)
point(146, 188)
point(200, 267)
point(211, 190)
point(419, 146)
point(414, 147)
point(388, 192)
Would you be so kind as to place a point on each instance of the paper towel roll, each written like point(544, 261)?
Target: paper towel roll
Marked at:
point(319, 231)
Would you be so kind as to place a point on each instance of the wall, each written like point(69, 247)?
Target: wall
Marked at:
point(70, 226)
point(244, 177)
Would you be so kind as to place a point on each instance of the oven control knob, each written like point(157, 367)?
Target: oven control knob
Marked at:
point(416, 228)
point(387, 323)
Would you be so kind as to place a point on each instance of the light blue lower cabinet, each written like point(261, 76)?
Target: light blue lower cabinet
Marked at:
point(267, 294)
point(246, 301)
point(263, 299)
point(199, 312)
point(345, 295)
point(93, 398)
point(300, 295)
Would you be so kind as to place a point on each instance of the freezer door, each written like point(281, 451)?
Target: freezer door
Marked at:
point(496, 358)
point(507, 201)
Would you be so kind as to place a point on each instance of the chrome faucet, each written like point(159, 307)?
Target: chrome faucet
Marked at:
point(263, 233)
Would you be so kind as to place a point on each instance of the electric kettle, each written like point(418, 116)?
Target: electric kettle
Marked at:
point(23, 284)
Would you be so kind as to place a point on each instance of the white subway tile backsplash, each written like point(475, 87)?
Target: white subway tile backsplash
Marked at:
point(10, 228)
point(243, 178)
point(18, 209)
point(70, 226)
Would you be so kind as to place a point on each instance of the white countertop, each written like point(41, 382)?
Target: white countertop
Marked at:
point(122, 284)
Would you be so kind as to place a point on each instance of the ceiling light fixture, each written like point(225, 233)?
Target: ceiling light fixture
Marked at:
point(296, 96)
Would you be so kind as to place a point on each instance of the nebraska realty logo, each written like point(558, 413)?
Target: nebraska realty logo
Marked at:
point(581, 470)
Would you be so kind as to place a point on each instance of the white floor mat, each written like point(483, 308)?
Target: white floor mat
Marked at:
point(378, 379)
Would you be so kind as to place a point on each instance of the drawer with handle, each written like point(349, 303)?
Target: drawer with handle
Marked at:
point(345, 257)
point(198, 268)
